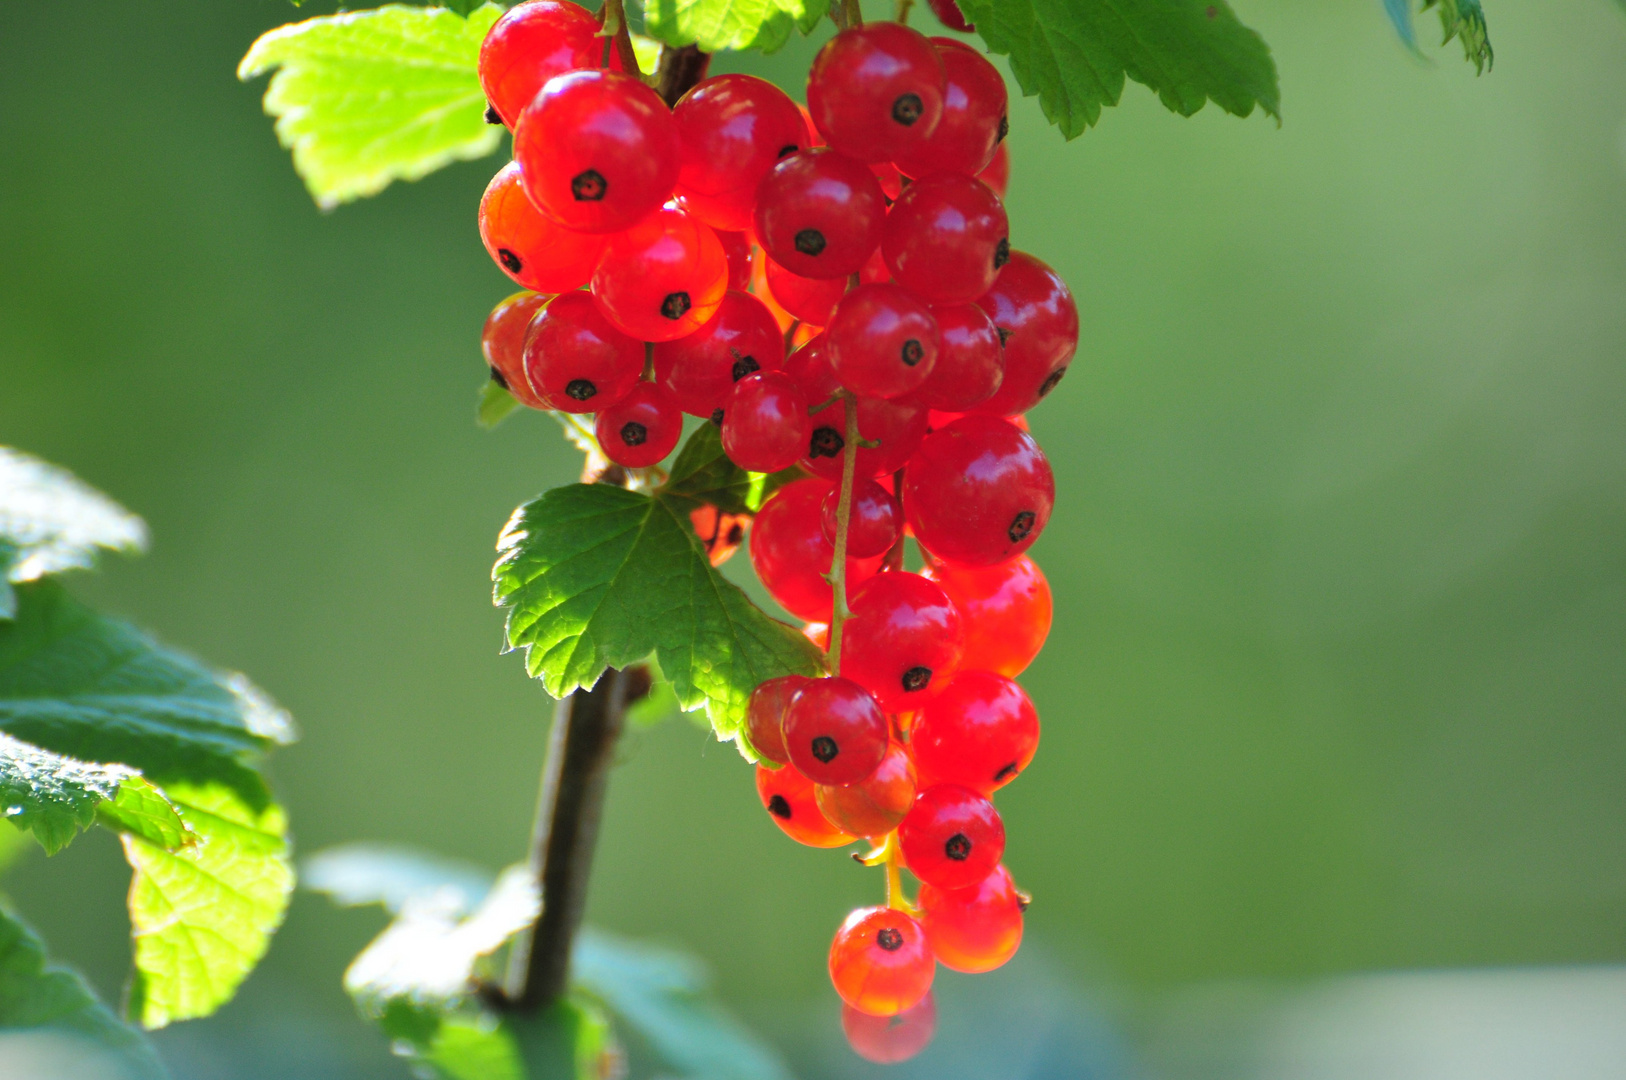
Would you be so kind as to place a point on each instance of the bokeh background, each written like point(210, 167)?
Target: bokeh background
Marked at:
point(1334, 758)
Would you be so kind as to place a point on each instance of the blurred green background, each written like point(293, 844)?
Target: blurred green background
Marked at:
point(1338, 675)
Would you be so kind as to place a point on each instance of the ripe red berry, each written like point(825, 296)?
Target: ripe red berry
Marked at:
point(896, 427)
point(812, 300)
point(536, 252)
point(947, 238)
point(1038, 322)
point(874, 524)
point(737, 247)
point(791, 556)
point(876, 90)
point(949, 14)
point(819, 214)
point(641, 428)
point(731, 130)
point(890, 179)
point(998, 173)
point(663, 278)
point(575, 360)
point(875, 805)
point(1006, 610)
point(973, 122)
point(880, 961)
point(598, 150)
point(765, 715)
point(977, 928)
point(719, 533)
point(835, 732)
point(979, 732)
point(978, 492)
point(529, 45)
point(765, 422)
point(700, 369)
point(502, 340)
point(888, 1040)
point(882, 342)
point(952, 838)
point(903, 640)
point(787, 795)
point(970, 360)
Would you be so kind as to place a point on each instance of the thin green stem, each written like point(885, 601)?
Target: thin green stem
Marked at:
point(903, 11)
point(844, 513)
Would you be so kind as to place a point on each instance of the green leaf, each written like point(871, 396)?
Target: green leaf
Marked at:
point(595, 576)
point(203, 915)
point(1075, 54)
point(716, 25)
point(1465, 19)
point(40, 998)
point(51, 521)
point(368, 97)
point(355, 875)
point(57, 796)
point(703, 473)
point(496, 403)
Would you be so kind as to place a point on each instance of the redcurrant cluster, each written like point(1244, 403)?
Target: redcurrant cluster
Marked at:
point(865, 237)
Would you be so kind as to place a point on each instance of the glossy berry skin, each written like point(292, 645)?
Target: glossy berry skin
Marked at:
point(598, 150)
point(970, 361)
point(875, 805)
point(1006, 610)
point(876, 90)
point(980, 732)
point(903, 641)
point(720, 534)
point(998, 173)
point(873, 525)
point(787, 795)
point(502, 340)
point(662, 279)
point(888, 1040)
point(732, 129)
point(812, 300)
point(1038, 320)
point(897, 426)
point(973, 122)
point(791, 556)
point(737, 248)
point(765, 715)
point(952, 838)
point(641, 428)
point(529, 45)
point(977, 928)
point(949, 14)
point(947, 238)
point(978, 492)
point(700, 369)
point(819, 214)
point(765, 422)
point(835, 731)
point(881, 962)
point(881, 342)
point(536, 252)
point(575, 360)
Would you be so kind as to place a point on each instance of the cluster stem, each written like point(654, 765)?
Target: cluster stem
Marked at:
point(844, 513)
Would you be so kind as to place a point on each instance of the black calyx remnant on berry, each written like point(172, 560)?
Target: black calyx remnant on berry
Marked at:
point(633, 433)
point(1051, 380)
point(717, 417)
point(788, 149)
point(826, 442)
point(810, 242)
point(1004, 128)
point(906, 109)
point(958, 847)
point(496, 377)
point(510, 261)
point(913, 352)
point(491, 115)
point(580, 389)
point(1008, 770)
point(736, 533)
point(916, 678)
point(589, 186)
point(1004, 335)
point(1002, 252)
point(676, 305)
point(1021, 525)
point(779, 808)
point(825, 749)
point(744, 366)
point(889, 939)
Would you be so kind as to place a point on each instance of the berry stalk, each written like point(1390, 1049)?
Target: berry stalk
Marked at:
point(844, 512)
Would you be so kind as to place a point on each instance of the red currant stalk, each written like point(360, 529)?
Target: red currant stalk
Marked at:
point(844, 506)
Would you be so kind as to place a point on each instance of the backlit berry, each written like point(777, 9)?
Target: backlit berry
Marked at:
point(765, 715)
point(875, 805)
point(819, 214)
point(970, 361)
point(1038, 322)
point(737, 248)
point(887, 1040)
point(978, 492)
point(874, 523)
point(977, 928)
point(503, 342)
point(765, 422)
point(732, 129)
point(979, 732)
point(835, 732)
point(876, 90)
point(947, 238)
point(895, 427)
point(720, 533)
point(575, 360)
point(529, 45)
point(948, 12)
point(973, 122)
point(903, 641)
point(699, 369)
point(952, 838)
point(641, 428)
point(537, 253)
point(880, 961)
point(1005, 608)
point(998, 173)
point(882, 342)
point(791, 556)
point(662, 279)
point(787, 795)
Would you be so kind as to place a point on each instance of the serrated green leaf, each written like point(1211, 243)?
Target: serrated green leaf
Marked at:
point(57, 796)
point(203, 915)
point(1075, 55)
point(356, 875)
point(595, 576)
point(703, 473)
point(496, 404)
point(716, 25)
point(51, 521)
point(1465, 19)
point(368, 97)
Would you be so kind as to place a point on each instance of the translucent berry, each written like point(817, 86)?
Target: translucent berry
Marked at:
point(970, 360)
point(812, 300)
point(1006, 610)
point(895, 427)
point(641, 428)
point(888, 1040)
point(765, 715)
point(875, 805)
point(874, 524)
point(787, 795)
point(662, 279)
point(503, 342)
point(536, 252)
point(1038, 322)
point(765, 422)
point(876, 91)
point(977, 928)
point(835, 732)
point(529, 45)
point(880, 961)
point(720, 534)
point(978, 492)
point(732, 129)
point(575, 360)
point(598, 150)
point(903, 641)
point(791, 556)
point(947, 238)
point(882, 341)
point(737, 249)
point(952, 838)
point(819, 214)
point(998, 173)
point(980, 732)
point(949, 14)
point(973, 123)
point(699, 369)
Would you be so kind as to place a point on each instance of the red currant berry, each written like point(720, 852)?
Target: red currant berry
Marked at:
point(880, 961)
point(888, 1040)
point(641, 428)
point(949, 14)
point(974, 121)
point(890, 179)
point(903, 640)
point(663, 278)
point(1006, 610)
point(978, 492)
point(970, 360)
point(952, 838)
point(731, 130)
point(947, 238)
point(737, 248)
point(882, 342)
point(575, 360)
point(787, 795)
point(503, 342)
point(819, 214)
point(1038, 322)
point(998, 173)
point(876, 91)
point(740, 339)
point(765, 715)
point(791, 556)
point(977, 928)
point(875, 805)
point(896, 427)
point(719, 533)
point(835, 732)
point(811, 370)
point(598, 150)
point(812, 300)
point(529, 45)
point(531, 249)
point(979, 732)
point(765, 422)
point(874, 523)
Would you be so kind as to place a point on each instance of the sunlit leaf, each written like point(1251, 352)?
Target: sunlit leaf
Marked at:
point(57, 796)
point(715, 25)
